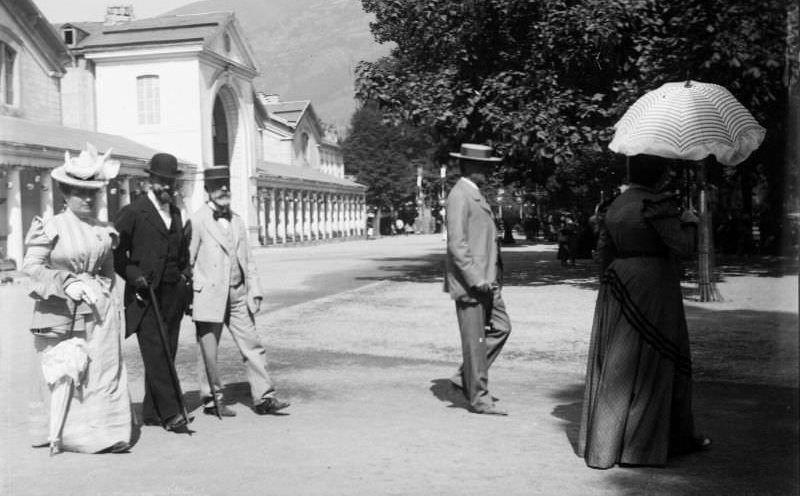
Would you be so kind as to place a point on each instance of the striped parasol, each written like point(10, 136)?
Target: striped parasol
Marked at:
point(690, 121)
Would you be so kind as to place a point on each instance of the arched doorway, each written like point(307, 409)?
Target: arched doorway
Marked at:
point(219, 134)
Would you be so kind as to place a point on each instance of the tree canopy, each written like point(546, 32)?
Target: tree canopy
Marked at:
point(384, 157)
point(544, 81)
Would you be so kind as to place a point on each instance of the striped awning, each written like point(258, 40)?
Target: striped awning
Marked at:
point(690, 121)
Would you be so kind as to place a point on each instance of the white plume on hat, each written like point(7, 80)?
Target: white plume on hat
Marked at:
point(88, 169)
point(89, 164)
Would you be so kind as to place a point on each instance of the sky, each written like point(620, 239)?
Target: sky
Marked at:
point(59, 11)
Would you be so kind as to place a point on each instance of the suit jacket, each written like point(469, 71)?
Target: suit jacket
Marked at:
point(142, 250)
point(472, 252)
point(210, 262)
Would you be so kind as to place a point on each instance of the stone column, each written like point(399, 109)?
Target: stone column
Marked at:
point(46, 194)
point(124, 191)
point(351, 216)
point(317, 223)
point(307, 215)
point(282, 216)
point(292, 206)
point(298, 216)
point(14, 210)
point(363, 210)
point(262, 217)
point(272, 232)
point(101, 204)
point(326, 205)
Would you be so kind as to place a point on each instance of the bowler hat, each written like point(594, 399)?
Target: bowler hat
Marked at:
point(164, 165)
point(472, 151)
point(217, 172)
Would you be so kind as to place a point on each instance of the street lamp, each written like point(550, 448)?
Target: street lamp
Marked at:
point(443, 175)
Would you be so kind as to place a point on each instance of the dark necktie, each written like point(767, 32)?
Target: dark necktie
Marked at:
point(222, 214)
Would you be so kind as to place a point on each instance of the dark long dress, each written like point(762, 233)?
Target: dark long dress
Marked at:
point(637, 400)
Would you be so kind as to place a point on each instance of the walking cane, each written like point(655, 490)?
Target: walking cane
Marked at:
point(162, 333)
point(208, 377)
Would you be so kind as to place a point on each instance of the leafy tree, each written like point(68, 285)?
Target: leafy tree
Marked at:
point(384, 157)
point(544, 81)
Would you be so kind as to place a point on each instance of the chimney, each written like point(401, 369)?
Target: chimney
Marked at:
point(118, 14)
point(268, 98)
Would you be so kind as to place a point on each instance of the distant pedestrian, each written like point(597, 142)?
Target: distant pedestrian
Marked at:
point(637, 406)
point(473, 278)
point(226, 292)
point(399, 226)
point(153, 254)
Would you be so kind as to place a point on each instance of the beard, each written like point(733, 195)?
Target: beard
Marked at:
point(164, 196)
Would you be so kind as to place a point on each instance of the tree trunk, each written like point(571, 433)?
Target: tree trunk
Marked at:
point(705, 259)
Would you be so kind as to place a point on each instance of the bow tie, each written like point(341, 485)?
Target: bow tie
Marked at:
point(226, 214)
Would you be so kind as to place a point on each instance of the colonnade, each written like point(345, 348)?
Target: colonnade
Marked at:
point(31, 192)
point(289, 215)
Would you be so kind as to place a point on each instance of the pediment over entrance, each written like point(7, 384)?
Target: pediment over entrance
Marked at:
point(230, 43)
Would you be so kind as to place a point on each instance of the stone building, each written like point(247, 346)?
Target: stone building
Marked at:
point(37, 127)
point(302, 189)
point(183, 84)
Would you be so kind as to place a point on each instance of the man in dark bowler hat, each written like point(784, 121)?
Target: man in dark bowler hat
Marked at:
point(153, 254)
point(472, 278)
point(227, 293)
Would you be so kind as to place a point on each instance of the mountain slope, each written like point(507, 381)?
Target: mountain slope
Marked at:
point(305, 49)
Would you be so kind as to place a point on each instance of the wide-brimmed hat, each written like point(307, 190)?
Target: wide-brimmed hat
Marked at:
point(87, 170)
point(217, 173)
point(478, 153)
point(164, 165)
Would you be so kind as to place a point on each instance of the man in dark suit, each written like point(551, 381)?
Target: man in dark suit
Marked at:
point(472, 263)
point(153, 253)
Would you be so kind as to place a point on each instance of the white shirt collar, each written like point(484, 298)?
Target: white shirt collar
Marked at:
point(158, 204)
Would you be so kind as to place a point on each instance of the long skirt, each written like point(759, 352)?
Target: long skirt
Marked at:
point(637, 399)
point(98, 416)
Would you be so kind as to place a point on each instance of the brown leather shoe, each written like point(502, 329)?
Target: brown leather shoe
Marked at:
point(270, 406)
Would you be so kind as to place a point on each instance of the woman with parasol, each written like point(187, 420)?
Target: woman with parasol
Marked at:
point(637, 403)
point(77, 322)
point(637, 407)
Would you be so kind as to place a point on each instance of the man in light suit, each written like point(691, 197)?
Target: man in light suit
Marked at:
point(473, 267)
point(153, 252)
point(226, 291)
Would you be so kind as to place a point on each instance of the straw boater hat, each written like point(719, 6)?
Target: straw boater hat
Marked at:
point(164, 165)
point(478, 153)
point(88, 170)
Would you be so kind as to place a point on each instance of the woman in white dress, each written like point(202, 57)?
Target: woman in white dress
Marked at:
point(69, 259)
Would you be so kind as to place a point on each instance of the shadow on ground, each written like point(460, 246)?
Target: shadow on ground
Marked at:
point(524, 266)
point(755, 450)
point(520, 268)
point(446, 392)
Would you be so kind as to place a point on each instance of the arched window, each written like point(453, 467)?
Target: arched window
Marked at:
point(304, 147)
point(8, 59)
point(148, 99)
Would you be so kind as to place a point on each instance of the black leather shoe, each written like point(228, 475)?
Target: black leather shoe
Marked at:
point(177, 423)
point(490, 410)
point(270, 406)
point(224, 411)
point(151, 421)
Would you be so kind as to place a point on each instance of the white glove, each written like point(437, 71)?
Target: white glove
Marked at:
point(79, 290)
